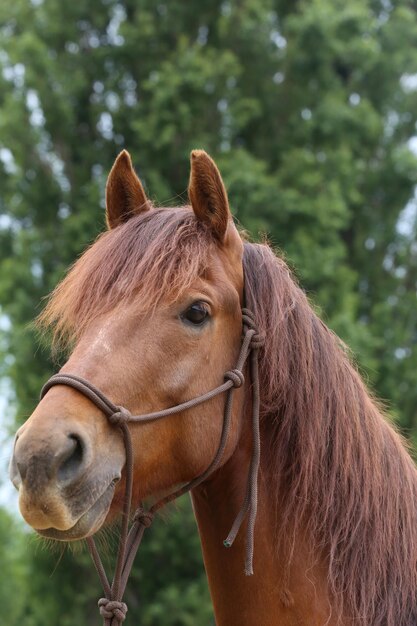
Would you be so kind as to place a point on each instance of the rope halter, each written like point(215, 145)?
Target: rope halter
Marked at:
point(111, 607)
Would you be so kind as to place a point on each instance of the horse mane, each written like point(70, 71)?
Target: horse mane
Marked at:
point(156, 255)
point(342, 472)
point(344, 475)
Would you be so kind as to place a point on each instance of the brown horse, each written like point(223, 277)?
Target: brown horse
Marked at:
point(153, 313)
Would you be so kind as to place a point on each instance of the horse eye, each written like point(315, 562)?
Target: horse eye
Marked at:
point(196, 314)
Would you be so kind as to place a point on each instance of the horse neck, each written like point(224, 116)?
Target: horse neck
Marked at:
point(277, 594)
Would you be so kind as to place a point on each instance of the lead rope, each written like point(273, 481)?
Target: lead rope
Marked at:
point(111, 607)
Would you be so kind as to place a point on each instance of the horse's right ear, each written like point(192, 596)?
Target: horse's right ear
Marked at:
point(125, 195)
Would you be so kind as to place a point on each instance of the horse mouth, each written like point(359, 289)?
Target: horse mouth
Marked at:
point(89, 522)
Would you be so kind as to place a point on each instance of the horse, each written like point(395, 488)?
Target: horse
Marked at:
point(151, 315)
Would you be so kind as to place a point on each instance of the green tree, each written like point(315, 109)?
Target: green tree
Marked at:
point(309, 108)
point(13, 568)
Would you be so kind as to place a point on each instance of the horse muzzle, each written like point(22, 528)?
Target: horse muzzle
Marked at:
point(65, 488)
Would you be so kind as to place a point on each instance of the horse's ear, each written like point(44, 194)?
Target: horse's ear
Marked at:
point(207, 193)
point(125, 195)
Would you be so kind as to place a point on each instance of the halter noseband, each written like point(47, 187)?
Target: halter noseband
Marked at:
point(111, 607)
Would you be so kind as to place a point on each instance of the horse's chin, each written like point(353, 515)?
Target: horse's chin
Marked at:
point(88, 524)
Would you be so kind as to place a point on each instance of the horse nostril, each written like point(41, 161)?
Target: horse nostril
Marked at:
point(17, 469)
point(17, 472)
point(70, 459)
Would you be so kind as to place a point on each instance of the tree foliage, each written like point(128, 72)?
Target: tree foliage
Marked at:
point(310, 110)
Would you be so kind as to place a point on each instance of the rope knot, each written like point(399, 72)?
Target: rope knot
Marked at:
point(257, 341)
point(111, 608)
point(248, 319)
point(236, 376)
point(143, 517)
point(119, 416)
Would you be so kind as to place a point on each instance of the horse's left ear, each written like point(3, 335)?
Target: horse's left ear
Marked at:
point(125, 195)
point(208, 194)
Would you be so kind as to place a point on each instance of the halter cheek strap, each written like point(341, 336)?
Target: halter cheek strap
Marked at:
point(111, 607)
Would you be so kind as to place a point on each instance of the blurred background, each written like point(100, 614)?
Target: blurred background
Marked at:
point(309, 108)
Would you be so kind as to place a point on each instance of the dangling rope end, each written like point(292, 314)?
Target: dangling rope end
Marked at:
point(248, 570)
point(249, 560)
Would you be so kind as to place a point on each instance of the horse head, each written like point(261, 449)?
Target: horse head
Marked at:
point(153, 313)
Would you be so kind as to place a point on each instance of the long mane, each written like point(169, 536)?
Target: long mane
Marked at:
point(343, 473)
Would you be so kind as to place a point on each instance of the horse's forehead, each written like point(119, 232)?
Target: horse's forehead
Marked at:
point(224, 273)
